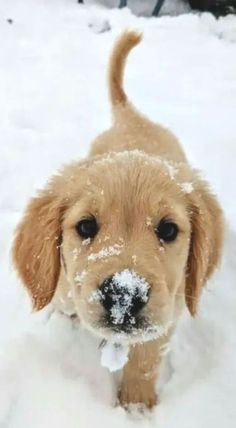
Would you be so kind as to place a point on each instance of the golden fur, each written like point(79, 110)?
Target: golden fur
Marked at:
point(136, 175)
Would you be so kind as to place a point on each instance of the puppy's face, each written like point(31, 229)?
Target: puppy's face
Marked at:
point(132, 236)
point(125, 244)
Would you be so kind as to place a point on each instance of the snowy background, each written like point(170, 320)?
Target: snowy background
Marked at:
point(53, 101)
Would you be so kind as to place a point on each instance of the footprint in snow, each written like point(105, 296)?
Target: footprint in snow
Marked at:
point(99, 25)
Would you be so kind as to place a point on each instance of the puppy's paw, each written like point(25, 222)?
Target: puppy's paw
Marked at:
point(140, 393)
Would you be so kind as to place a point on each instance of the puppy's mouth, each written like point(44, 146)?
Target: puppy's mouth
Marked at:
point(129, 324)
point(140, 331)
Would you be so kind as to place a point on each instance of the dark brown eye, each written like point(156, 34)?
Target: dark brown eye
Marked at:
point(167, 231)
point(87, 228)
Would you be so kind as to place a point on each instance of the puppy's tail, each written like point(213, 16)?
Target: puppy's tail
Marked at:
point(123, 46)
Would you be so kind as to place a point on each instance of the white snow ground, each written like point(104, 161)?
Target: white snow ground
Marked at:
point(53, 101)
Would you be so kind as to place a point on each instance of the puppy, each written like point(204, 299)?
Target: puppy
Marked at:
point(123, 239)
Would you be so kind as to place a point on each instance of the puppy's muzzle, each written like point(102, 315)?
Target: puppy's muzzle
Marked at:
point(123, 296)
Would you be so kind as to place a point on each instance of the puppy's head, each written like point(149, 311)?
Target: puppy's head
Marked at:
point(132, 237)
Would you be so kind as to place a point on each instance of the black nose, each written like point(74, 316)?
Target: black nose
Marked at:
point(122, 301)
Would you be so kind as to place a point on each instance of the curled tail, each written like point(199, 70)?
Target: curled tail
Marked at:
point(123, 46)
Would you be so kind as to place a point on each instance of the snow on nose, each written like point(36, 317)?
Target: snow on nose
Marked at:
point(124, 295)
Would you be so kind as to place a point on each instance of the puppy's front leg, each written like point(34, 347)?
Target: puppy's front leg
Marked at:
point(140, 374)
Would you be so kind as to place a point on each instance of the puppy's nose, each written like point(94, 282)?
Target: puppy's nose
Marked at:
point(123, 296)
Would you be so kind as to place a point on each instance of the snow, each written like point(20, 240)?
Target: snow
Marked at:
point(95, 296)
point(114, 356)
point(86, 242)
point(172, 170)
point(80, 277)
point(98, 25)
point(75, 253)
point(53, 102)
point(186, 187)
point(112, 250)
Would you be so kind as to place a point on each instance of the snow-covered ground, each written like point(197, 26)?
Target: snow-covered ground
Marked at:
point(53, 101)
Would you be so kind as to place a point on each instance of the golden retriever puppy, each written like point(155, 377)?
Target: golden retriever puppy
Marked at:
point(123, 239)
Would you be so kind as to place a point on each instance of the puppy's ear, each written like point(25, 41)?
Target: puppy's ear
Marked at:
point(205, 245)
point(36, 249)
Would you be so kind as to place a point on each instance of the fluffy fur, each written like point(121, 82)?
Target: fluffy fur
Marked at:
point(135, 175)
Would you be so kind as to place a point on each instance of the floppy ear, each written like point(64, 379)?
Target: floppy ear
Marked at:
point(205, 245)
point(36, 251)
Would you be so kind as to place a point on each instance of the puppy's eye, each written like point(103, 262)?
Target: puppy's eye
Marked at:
point(87, 228)
point(167, 231)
